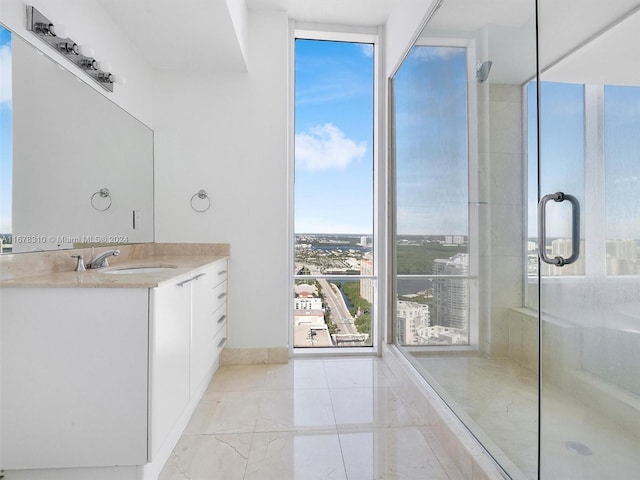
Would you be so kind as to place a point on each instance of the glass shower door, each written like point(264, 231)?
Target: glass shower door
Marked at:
point(589, 239)
point(458, 131)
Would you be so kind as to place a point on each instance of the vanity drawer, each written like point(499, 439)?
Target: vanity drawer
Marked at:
point(219, 296)
point(219, 320)
point(218, 343)
point(219, 271)
point(212, 348)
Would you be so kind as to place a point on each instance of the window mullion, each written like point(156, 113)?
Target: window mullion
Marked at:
point(594, 180)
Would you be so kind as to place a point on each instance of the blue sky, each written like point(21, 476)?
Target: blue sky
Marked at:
point(333, 137)
point(334, 155)
point(5, 131)
point(430, 94)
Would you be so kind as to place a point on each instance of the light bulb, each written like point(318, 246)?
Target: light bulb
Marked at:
point(59, 31)
point(104, 66)
point(119, 79)
point(85, 50)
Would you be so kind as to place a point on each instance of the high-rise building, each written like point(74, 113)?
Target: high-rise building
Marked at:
point(413, 319)
point(563, 247)
point(623, 257)
point(366, 286)
point(451, 296)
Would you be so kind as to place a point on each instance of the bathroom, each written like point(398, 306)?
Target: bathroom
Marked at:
point(212, 82)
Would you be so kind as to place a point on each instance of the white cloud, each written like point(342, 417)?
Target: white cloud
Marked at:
point(324, 147)
point(5, 75)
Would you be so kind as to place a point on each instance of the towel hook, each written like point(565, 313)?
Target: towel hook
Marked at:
point(202, 195)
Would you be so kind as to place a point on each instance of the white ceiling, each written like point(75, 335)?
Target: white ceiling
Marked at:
point(199, 35)
point(611, 58)
point(588, 41)
point(343, 12)
point(180, 35)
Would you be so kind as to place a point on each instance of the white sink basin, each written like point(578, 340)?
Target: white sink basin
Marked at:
point(142, 269)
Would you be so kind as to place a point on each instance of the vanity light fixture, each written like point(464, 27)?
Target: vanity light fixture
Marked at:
point(57, 37)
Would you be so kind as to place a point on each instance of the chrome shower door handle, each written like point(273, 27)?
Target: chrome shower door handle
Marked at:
point(575, 229)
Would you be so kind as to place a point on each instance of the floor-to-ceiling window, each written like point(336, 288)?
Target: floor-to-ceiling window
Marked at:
point(432, 261)
point(334, 256)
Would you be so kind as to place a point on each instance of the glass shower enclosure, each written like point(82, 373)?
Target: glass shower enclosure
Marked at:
point(516, 260)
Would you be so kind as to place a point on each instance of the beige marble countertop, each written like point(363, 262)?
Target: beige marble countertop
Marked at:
point(99, 279)
point(185, 260)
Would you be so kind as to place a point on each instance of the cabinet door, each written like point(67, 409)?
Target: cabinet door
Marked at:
point(74, 377)
point(169, 376)
point(208, 316)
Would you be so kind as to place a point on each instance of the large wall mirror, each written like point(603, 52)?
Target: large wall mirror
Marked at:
point(76, 168)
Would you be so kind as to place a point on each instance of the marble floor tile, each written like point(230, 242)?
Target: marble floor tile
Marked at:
point(238, 378)
point(288, 410)
point(204, 457)
point(330, 418)
point(357, 372)
point(299, 374)
point(497, 399)
point(295, 456)
point(225, 412)
point(390, 453)
point(445, 460)
point(369, 407)
point(613, 452)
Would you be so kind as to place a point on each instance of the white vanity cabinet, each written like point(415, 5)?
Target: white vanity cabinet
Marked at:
point(106, 378)
point(187, 333)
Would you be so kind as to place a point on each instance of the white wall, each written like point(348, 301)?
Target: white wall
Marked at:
point(89, 23)
point(226, 133)
point(402, 27)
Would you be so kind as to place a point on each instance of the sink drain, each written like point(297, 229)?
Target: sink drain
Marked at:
point(579, 448)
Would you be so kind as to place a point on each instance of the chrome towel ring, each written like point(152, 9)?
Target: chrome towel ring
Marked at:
point(102, 193)
point(198, 206)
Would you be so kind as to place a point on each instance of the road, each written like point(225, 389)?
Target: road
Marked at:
point(340, 314)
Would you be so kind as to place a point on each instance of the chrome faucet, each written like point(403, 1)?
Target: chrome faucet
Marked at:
point(100, 260)
point(80, 263)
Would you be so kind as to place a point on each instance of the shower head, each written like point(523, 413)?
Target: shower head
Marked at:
point(482, 70)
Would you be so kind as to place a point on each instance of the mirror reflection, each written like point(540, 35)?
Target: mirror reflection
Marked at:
point(76, 168)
